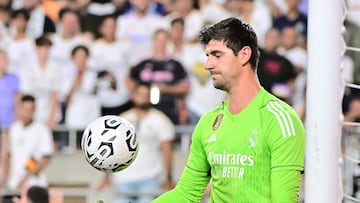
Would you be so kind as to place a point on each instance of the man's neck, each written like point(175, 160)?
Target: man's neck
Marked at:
point(160, 56)
point(42, 62)
point(141, 113)
point(243, 93)
point(67, 36)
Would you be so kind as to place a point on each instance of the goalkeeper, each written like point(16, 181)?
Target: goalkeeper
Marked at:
point(251, 146)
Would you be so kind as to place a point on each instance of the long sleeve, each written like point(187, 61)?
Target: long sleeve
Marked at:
point(195, 177)
point(285, 186)
point(190, 188)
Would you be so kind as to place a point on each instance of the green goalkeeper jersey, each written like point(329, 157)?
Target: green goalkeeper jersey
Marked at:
point(255, 156)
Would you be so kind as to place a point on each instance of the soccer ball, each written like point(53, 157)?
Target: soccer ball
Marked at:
point(109, 143)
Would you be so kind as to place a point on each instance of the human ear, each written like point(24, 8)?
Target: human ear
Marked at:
point(244, 55)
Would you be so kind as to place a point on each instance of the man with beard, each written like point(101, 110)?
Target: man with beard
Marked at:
point(250, 148)
point(142, 180)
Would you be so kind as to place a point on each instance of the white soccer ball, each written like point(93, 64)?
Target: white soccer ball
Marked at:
point(109, 143)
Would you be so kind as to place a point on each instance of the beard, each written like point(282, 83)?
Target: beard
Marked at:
point(218, 84)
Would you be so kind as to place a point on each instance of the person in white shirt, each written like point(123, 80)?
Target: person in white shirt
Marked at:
point(30, 148)
point(21, 47)
point(41, 79)
point(202, 95)
point(39, 23)
point(214, 10)
point(4, 29)
point(151, 172)
point(64, 40)
point(82, 103)
point(193, 18)
point(138, 25)
point(254, 12)
point(109, 56)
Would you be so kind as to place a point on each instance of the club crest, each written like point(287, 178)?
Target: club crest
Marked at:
point(217, 121)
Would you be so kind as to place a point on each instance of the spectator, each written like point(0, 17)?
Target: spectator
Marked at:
point(37, 194)
point(138, 25)
point(21, 47)
point(166, 74)
point(4, 29)
point(30, 148)
point(94, 14)
point(277, 7)
point(193, 18)
point(352, 111)
point(352, 39)
point(213, 11)
point(294, 17)
point(82, 104)
point(254, 12)
point(9, 91)
point(202, 95)
point(63, 42)
point(52, 9)
point(39, 23)
point(34, 194)
point(110, 58)
point(297, 55)
point(41, 79)
point(6, 4)
point(276, 73)
point(67, 37)
point(154, 160)
point(10, 96)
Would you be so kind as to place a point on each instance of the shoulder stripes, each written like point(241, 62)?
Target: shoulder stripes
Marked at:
point(283, 118)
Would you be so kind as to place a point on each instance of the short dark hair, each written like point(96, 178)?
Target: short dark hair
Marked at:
point(27, 98)
point(178, 20)
point(20, 12)
point(235, 34)
point(80, 47)
point(43, 41)
point(37, 194)
point(109, 16)
point(66, 10)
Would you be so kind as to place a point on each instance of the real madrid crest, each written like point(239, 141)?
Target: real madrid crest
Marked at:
point(217, 121)
point(253, 138)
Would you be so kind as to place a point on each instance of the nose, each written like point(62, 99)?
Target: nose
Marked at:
point(208, 64)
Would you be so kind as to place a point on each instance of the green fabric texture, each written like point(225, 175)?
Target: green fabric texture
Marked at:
point(255, 156)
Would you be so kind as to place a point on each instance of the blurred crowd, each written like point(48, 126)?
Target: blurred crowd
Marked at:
point(81, 59)
point(78, 57)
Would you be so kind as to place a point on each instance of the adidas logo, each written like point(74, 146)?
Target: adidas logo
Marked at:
point(212, 138)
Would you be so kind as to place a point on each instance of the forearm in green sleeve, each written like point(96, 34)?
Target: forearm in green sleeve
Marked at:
point(285, 186)
point(189, 189)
